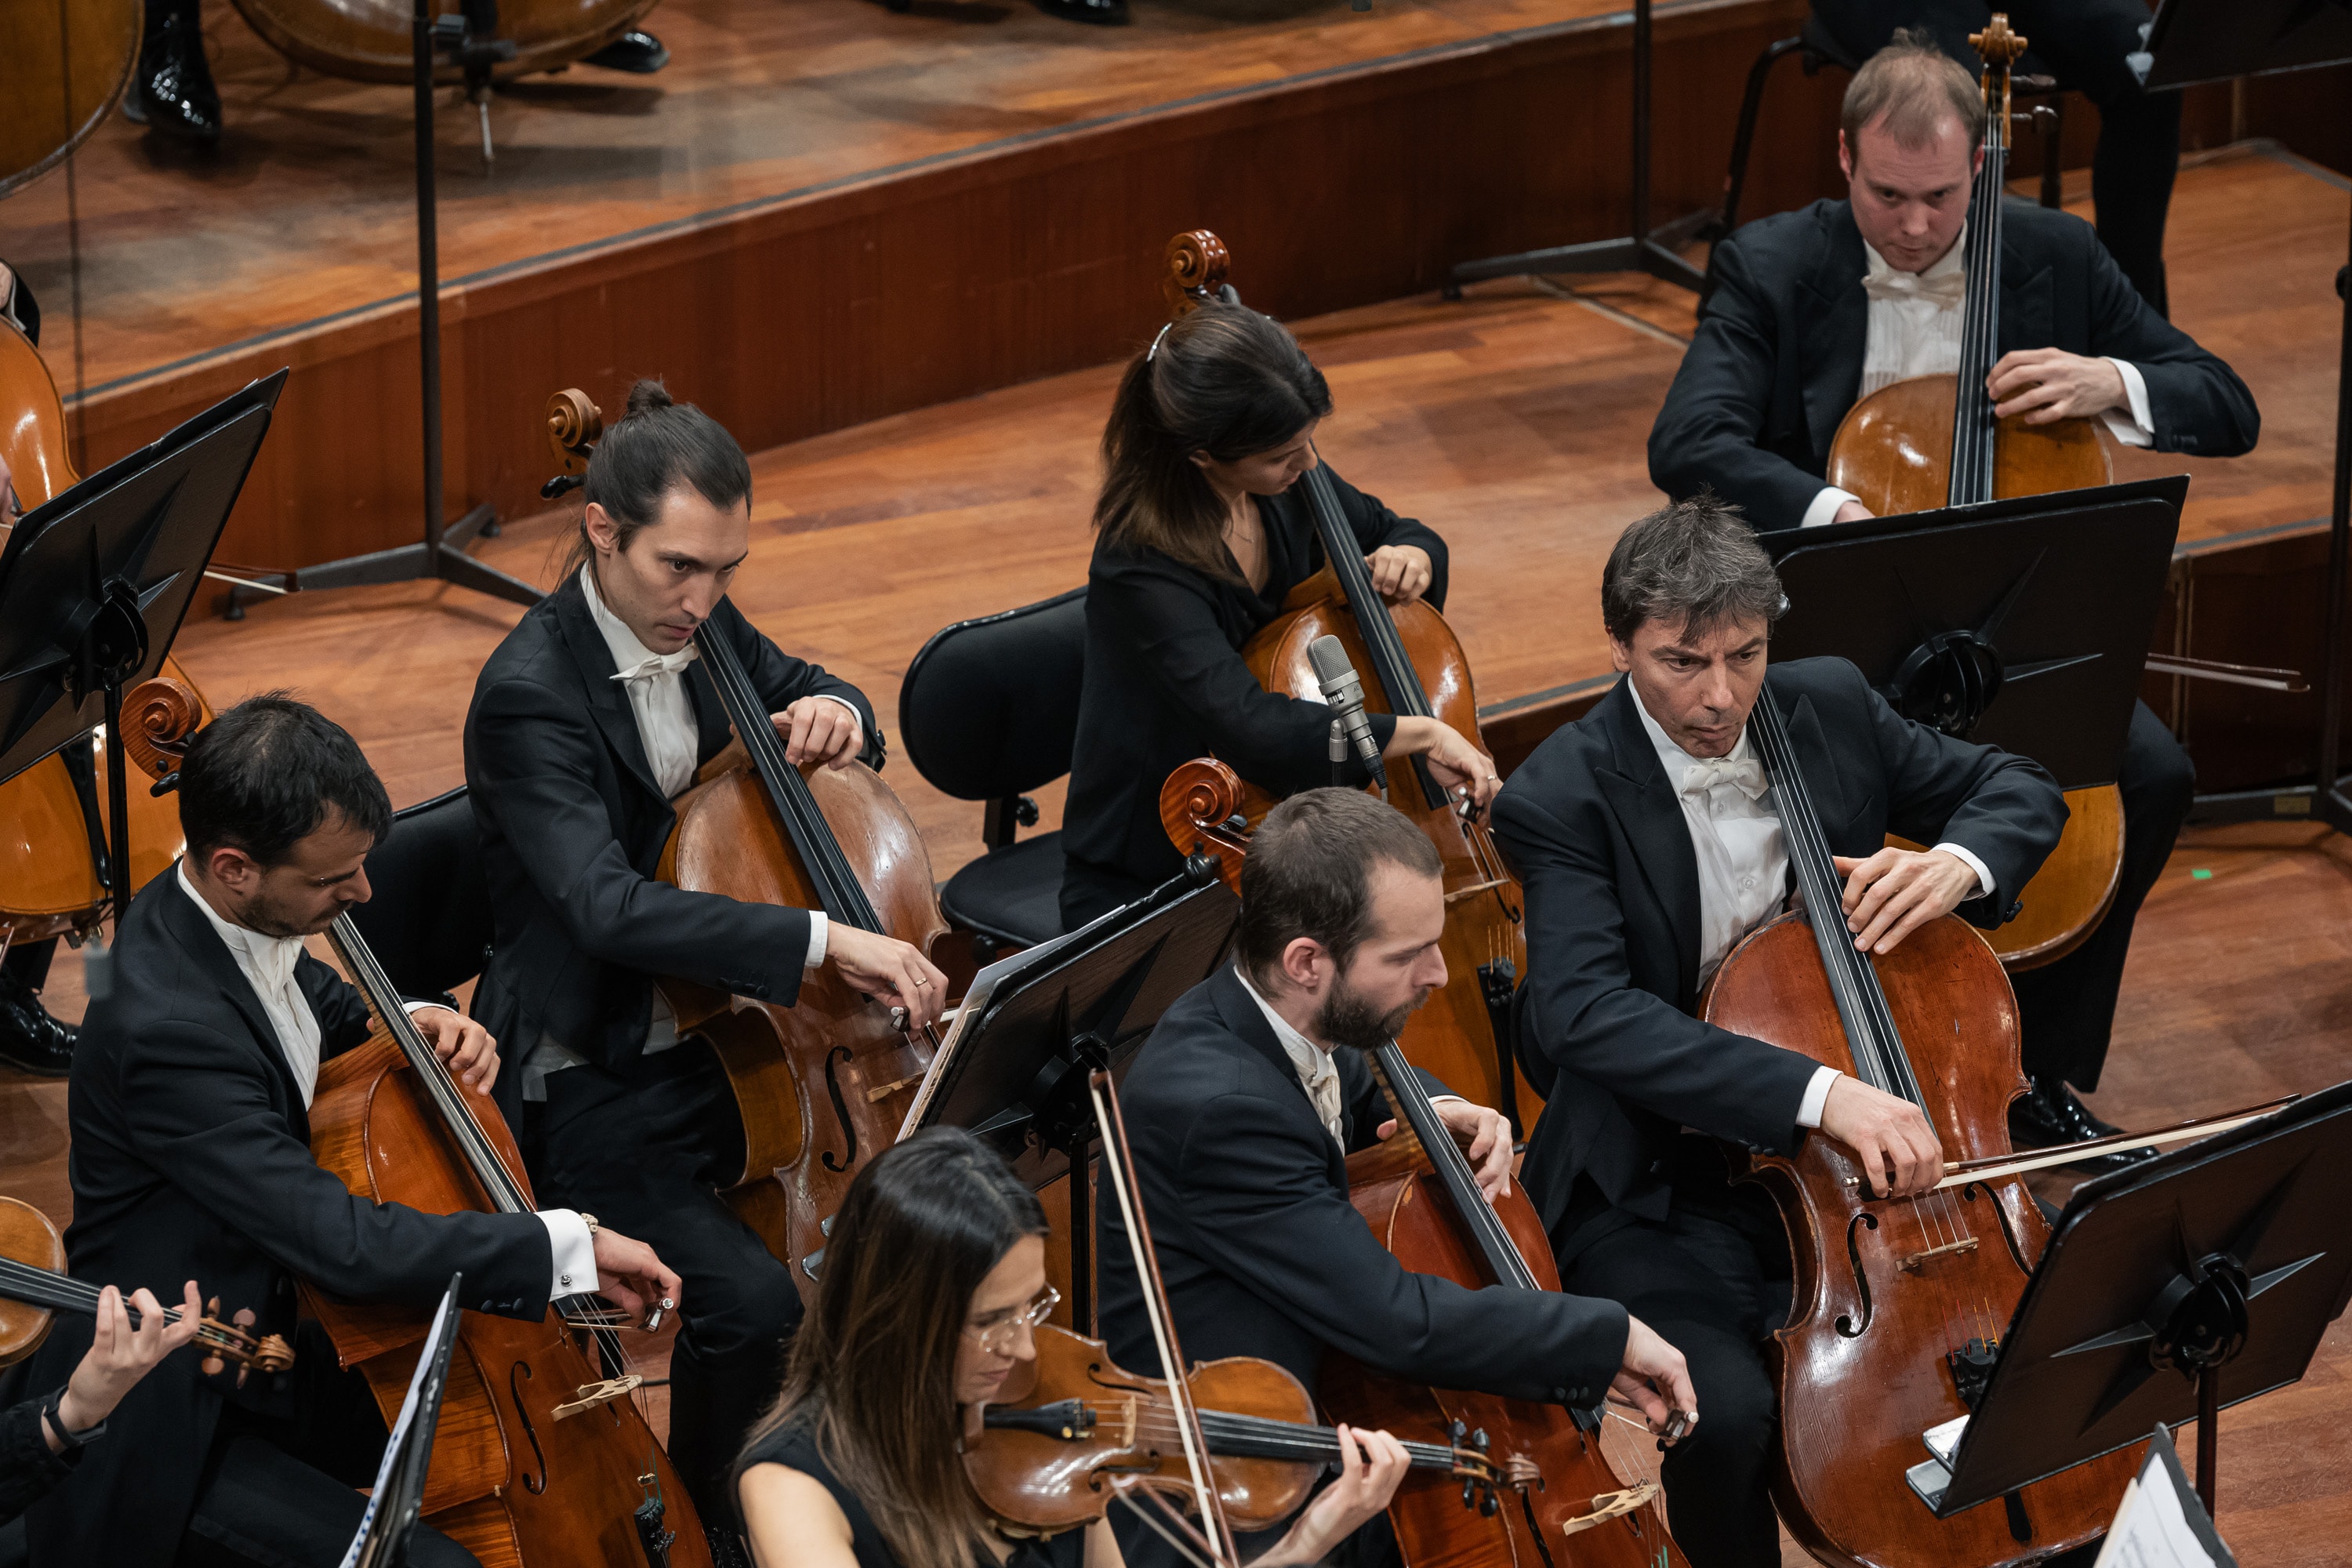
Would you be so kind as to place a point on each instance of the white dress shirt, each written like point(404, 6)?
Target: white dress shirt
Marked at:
point(268, 964)
point(1317, 1073)
point(1743, 862)
point(1915, 330)
point(655, 683)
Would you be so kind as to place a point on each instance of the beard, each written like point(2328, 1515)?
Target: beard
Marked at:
point(268, 915)
point(1349, 1017)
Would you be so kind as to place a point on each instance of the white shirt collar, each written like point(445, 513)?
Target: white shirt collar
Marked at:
point(1318, 1074)
point(271, 957)
point(629, 652)
point(1673, 758)
point(1951, 261)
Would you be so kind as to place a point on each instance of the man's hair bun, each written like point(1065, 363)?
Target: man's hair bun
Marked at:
point(647, 394)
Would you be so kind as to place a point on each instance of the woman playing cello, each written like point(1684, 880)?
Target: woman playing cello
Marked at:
point(934, 1286)
point(1201, 537)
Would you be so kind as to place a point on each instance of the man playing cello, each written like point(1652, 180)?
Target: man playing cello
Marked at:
point(1816, 309)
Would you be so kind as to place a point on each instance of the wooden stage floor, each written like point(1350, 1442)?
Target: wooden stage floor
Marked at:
point(1514, 422)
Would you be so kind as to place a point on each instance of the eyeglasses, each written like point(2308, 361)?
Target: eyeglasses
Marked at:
point(998, 1337)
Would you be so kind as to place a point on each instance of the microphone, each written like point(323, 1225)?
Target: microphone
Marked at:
point(1344, 690)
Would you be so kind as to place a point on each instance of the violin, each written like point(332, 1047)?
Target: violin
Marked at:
point(1900, 1302)
point(69, 63)
point(1564, 1482)
point(35, 1287)
point(1415, 667)
point(54, 826)
point(1933, 441)
point(1073, 1419)
point(756, 829)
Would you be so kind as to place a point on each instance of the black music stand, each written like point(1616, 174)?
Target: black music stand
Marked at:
point(1013, 1068)
point(2198, 41)
point(397, 1501)
point(1641, 248)
point(95, 582)
point(2195, 1281)
point(2022, 623)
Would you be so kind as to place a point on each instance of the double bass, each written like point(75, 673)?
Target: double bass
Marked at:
point(1412, 665)
point(1900, 1303)
point(1565, 1497)
point(826, 1084)
point(1933, 441)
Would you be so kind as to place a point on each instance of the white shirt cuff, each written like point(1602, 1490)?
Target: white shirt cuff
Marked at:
point(1817, 1094)
point(818, 926)
point(854, 713)
point(1825, 506)
point(413, 1008)
point(575, 1254)
point(2139, 430)
point(1967, 858)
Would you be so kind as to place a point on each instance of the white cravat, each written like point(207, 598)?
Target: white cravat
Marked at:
point(1743, 861)
point(268, 964)
point(1317, 1072)
point(1914, 329)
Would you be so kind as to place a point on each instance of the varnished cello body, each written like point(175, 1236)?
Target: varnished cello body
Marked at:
point(1410, 661)
point(67, 65)
point(1933, 441)
point(370, 40)
point(1900, 1304)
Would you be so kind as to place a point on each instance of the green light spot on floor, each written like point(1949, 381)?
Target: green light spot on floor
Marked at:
point(2202, 875)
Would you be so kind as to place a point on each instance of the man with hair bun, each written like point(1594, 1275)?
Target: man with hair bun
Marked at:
point(1243, 1107)
point(1648, 840)
point(1816, 309)
point(588, 721)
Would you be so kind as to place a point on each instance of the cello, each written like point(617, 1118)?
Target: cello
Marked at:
point(759, 830)
point(52, 110)
point(1932, 441)
point(1418, 669)
point(1568, 1498)
point(1900, 1303)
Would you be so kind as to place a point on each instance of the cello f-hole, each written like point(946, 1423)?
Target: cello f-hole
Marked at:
point(832, 1060)
point(1976, 1191)
point(520, 1371)
point(1846, 1323)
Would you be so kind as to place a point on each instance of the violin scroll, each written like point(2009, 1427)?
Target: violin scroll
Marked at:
point(1197, 261)
point(233, 1343)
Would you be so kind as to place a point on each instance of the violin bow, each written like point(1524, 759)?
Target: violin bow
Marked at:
point(1118, 1164)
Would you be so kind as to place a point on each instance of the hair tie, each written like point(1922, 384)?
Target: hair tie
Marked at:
point(1153, 353)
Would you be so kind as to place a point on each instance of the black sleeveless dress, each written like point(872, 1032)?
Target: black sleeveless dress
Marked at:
point(794, 1448)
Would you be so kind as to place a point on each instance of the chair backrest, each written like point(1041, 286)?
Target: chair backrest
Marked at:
point(990, 707)
point(428, 918)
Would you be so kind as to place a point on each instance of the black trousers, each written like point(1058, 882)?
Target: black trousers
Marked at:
point(2066, 1010)
point(281, 1491)
point(1713, 1281)
point(29, 962)
point(2084, 43)
point(643, 1152)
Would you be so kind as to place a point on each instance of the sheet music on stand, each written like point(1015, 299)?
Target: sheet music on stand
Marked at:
point(394, 1504)
point(2161, 1523)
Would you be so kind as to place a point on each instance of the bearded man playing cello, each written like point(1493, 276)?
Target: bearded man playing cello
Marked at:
point(588, 721)
point(1649, 843)
point(1813, 309)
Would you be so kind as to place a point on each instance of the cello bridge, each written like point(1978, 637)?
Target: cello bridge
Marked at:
point(591, 1394)
point(1455, 895)
point(1611, 1505)
point(1919, 1260)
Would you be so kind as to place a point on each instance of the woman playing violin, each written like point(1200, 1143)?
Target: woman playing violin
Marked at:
point(1200, 539)
point(41, 1439)
point(934, 1281)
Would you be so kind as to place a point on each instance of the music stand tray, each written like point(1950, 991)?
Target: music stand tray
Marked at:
point(1014, 1066)
point(2022, 623)
point(2169, 1291)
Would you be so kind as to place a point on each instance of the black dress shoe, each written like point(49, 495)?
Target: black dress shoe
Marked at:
point(639, 54)
point(175, 91)
point(30, 1040)
point(2050, 1116)
point(1101, 12)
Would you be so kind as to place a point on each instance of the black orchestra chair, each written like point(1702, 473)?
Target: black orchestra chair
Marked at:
point(989, 710)
point(428, 918)
point(1815, 48)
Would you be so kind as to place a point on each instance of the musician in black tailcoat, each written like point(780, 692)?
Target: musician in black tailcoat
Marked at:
point(189, 1111)
point(586, 722)
point(1815, 308)
point(1243, 1104)
point(1647, 838)
point(1201, 534)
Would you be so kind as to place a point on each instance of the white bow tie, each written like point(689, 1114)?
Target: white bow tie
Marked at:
point(660, 664)
point(1945, 290)
point(1748, 776)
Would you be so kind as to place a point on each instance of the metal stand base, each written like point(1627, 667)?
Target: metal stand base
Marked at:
point(446, 561)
